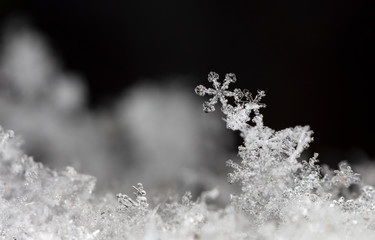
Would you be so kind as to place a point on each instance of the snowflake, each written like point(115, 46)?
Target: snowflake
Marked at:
point(219, 91)
point(236, 116)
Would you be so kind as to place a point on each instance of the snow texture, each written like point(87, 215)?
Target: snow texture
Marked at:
point(282, 197)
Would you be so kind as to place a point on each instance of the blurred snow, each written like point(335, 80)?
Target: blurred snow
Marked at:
point(365, 166)
point(27, 64)
point(156, 132)
point(171, 139)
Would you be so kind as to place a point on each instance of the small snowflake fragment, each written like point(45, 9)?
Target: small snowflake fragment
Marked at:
point(4, 136)
point(345, 176)
point(140, 201)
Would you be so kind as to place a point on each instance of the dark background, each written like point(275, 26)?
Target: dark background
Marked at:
point(313, 58)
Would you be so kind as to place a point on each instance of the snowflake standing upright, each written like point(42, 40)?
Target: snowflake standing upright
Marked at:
point(269, 158)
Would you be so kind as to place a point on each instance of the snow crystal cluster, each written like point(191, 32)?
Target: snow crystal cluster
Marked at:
point(281, 192)
point(282, 196)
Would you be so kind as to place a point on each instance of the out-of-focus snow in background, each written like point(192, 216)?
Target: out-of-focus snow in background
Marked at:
point(156, 134)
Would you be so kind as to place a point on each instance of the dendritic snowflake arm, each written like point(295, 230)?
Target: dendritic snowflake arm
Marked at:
point(303, 134)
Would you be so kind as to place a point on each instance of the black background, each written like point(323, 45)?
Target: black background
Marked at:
point(313, 58)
